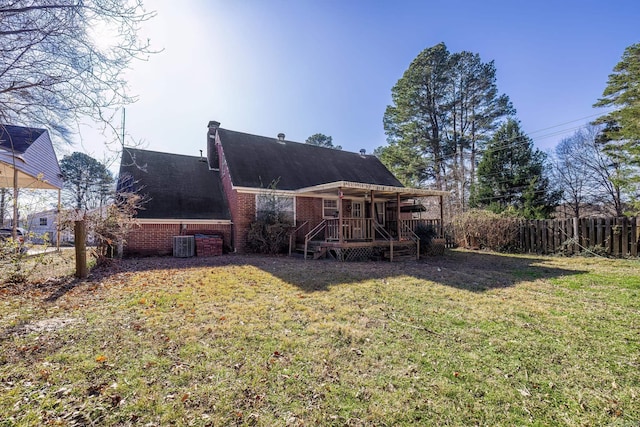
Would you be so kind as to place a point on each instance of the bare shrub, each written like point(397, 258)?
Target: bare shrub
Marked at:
point(269, 233)
point(484, 229)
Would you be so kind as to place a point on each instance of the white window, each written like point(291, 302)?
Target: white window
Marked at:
point(329, 208)
point(356, 209)
point(43, 222)
point(270, 204)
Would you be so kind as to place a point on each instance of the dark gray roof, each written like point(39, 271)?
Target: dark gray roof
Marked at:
point(22, 137)
point(256, 161)
point(33, 155)
point(178, 186)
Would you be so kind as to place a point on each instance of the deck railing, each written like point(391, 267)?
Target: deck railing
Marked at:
point(413, 223)
point(352, 229)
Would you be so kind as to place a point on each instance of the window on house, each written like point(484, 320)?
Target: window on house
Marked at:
point(329, 208)
point(269, 204)
point(43, 222)
point(356, 209)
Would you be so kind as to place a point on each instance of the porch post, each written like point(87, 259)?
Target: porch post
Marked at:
point(340, 237)
point(372, 218)
point(398, 214)
point(58, 217)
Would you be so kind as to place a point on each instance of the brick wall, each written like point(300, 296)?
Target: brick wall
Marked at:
point(245, 215)
point(242, 206)
point(208, 245)
point(157, 239)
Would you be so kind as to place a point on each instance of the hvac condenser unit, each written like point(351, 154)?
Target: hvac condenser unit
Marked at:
point(184, 246)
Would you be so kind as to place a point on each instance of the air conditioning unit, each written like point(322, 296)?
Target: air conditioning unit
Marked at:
point(184, 246)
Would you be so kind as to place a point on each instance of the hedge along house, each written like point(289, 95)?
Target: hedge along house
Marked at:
point(341, 203)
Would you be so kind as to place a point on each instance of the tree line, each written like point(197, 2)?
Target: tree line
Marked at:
point(449, 128)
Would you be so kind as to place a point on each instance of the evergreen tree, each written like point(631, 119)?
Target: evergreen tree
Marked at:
point(322, 140)
point(443, 110)
point(87, 182)
point(512, 176)
point(621, 135)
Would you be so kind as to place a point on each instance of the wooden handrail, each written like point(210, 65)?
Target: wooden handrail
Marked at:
point(293, 234)
point(313, 233)
point(412, 236)
point(386, 235)
point(383, 231)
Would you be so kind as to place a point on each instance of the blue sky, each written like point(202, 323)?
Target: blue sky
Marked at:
point(303, 67)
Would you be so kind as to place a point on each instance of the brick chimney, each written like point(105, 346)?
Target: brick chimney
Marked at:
point(212, 150)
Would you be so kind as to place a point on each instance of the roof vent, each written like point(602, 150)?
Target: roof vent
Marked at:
point(281, 136)
point(202, 159)
point(363, 152)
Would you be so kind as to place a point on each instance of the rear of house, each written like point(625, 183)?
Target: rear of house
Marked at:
point(349, 195)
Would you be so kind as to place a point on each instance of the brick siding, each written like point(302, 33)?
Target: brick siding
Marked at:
point(157, 239)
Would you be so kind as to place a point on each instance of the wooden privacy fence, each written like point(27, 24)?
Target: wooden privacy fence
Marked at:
point(613, 236)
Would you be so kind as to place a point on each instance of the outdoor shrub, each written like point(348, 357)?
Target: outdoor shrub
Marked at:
point(487, 230)
point(269, 233)
point(426, 233)
point(14, 267)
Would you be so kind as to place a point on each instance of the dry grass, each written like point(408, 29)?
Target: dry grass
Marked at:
point(465, 339)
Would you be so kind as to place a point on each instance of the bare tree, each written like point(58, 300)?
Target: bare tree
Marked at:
point(62, 61)
point(587, 174)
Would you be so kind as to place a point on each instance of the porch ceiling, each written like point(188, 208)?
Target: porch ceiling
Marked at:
point(359, 189)
point(25, 180)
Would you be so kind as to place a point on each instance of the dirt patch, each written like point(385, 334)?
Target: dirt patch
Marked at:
point(45, 325)
point(50, 325)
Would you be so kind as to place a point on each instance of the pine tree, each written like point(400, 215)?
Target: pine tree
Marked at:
point(444, 108)
point(621, 135)
point(512, 176)
point(322, 140)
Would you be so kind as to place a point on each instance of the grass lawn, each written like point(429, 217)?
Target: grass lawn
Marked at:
point(465, 339)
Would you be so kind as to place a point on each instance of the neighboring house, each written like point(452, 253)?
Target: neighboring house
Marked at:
point(34, 156)
point(43, 226)
point(347, 199)
point(27, 158)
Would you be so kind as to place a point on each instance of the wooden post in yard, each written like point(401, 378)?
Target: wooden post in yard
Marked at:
point(80, 237)
point(441, 218)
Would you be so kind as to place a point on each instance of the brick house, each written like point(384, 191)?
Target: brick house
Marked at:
point(338, 200)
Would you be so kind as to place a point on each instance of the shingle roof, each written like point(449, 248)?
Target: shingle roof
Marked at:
point(257, 161)
point(33, 156)
point(178, 186)
point(22, 137)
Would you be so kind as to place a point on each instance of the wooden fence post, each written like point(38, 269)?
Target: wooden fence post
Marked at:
point(634, 236)
point(80, 237)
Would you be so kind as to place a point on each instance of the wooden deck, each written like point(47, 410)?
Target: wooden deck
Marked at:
point(355, 250)
point(359, 239)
